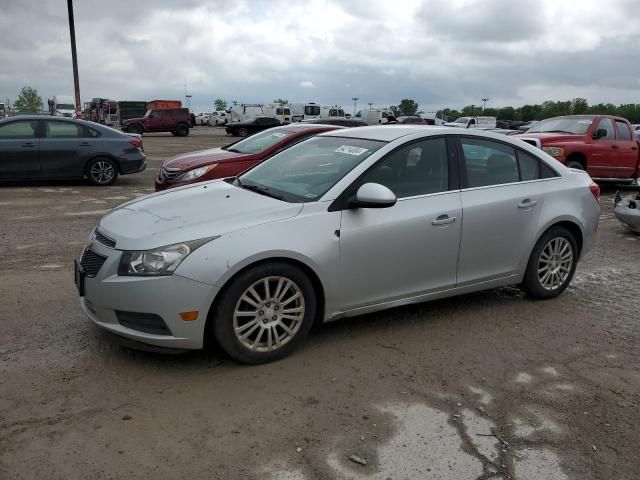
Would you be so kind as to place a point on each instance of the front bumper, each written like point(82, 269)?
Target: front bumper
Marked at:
point(166, 297)
point(626, 210)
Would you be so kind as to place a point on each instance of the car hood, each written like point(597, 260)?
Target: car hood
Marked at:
point(553, 137)
point(190, 160)
point(190, 213)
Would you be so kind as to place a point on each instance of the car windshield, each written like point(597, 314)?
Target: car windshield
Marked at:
point(577, 126)
point(462, 120)
point(305, 172)
point(260, 141)
point(66, 106)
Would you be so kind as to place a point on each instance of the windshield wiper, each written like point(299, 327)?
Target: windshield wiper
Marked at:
point(261, 190)
point(234, 150)
point(556, 131)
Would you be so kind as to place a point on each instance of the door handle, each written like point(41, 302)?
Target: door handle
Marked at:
point(634, 148)
point(443, 220)
point(28, 144)
point(615, 146)
point(86, 144)
point(527, 203)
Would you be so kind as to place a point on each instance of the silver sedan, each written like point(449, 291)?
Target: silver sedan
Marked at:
point(347, 222)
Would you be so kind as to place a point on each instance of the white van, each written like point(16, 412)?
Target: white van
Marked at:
point(473, 122)
point(240, 113)
point(377, 116)
point(281, 112)
point(437, 118)
point(331, 111)
point(304, 111)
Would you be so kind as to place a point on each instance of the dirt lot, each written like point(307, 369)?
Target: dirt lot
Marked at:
point(489, 385)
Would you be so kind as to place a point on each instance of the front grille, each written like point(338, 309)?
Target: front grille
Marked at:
point(91, 262)
point(168, 174)
point(143, 322)
point(103, 239)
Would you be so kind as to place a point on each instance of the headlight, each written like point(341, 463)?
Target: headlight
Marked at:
point(195, 173)
point(554, 151)
point(157, 262)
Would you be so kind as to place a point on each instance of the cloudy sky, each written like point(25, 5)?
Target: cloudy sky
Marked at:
point(438, 52)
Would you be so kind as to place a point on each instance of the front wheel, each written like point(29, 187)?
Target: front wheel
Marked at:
point(574, 164)
point(182, 130)
point(102, 171)
point(265, 313)
point(243, 132)
point(135, 128)
point(551, 265)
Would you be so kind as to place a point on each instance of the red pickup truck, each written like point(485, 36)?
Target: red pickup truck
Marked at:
point(603, 145)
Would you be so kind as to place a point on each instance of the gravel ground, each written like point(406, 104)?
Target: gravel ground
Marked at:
point(488, 385)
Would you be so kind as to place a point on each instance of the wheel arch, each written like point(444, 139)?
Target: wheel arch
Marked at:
point(570, 223)
point(577, 157)
point(208, 339)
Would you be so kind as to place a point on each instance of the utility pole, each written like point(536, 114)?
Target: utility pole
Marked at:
point(186, 95)
point(484, 103)
point(74, 57)
point(355, 102)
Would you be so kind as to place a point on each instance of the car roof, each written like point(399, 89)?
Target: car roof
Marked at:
point(387, 133)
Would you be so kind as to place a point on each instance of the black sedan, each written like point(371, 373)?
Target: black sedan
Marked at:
point(254, 125)
point(42, 147)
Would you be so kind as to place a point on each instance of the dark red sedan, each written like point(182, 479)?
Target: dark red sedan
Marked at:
point(233, 159)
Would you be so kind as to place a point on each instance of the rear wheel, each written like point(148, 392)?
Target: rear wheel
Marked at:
point(265, 313)
point(102, 171)
point(551, 265)
point(135, 128)
point(182, 130)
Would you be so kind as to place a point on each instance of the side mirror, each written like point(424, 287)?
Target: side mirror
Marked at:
point(600, 133)
point(151, 115)
point(373, 195)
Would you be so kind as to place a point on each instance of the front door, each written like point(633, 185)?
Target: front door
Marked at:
point(501, 205)
point(603, 161)
point(65, 149)
point(627, 150)
point(408, 249)
point(19, 150)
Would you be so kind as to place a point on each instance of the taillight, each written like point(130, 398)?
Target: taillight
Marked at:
point(595, 190)
point(137, 143)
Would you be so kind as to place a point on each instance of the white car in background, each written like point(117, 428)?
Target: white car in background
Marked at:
point(217, 118)
point(202, 119)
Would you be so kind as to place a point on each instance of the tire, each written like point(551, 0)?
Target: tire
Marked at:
point(135, 128)
point(562, 265)
point(243, 132)
point(260, 321)
point(574, 164)
point(102, 171)
point(182, 130)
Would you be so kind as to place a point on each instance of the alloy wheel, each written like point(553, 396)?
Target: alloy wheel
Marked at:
point(102, 172)
point(555, 262)
point(269, 314)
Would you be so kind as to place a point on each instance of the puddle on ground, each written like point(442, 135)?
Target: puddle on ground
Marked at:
point(428, 442)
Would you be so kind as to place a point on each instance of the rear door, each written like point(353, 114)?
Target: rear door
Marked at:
point(65, 148)
point(501, 204)
point(628, 149)
point(19, 150)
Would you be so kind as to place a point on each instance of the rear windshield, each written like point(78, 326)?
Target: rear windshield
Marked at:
point(260, 141)
point(66, 106)
point(312, 110)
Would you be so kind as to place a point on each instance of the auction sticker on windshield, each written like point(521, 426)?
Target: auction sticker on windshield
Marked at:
point(349, 150)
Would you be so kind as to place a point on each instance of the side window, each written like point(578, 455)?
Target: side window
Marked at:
point(623, 130)
point(607, 124)
point(279, 111)
point(529, 167)
point(64, 130)
point(18, 130)
point(489, 163)
point(417, 169)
